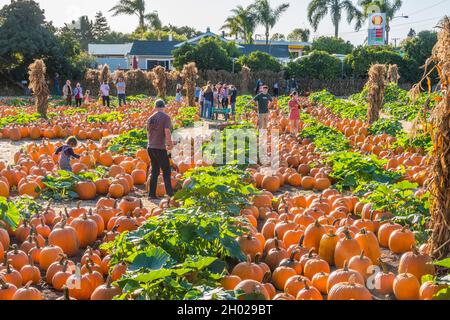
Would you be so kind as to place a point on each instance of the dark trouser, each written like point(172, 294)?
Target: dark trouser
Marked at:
point(78, 102)
point(276, 92)
point(160, 160)
point(69, 100)
point(122, 98)
point(105, 100)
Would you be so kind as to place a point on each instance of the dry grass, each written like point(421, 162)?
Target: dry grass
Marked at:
point(439, 184)
point(159, 78)
point(245, 74)
point(190, 75)
point(376, 85)
point(104, 74)
point(38, 84)
point(393, 75)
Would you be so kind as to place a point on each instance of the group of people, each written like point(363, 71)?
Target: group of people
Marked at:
point(80, 97)
point(219, 96)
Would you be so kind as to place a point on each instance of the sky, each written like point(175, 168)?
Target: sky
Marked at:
point(200, 14)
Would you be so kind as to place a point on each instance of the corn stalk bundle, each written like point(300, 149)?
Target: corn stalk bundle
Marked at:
point(159, 80)
point(190, 75)
point(393, 75)
point(245, 76)
point(376, 85)
point(137, 81)
point(91, 80)
point(39, 86)
point(104, 74)
point(118, 74)
point(439, 185)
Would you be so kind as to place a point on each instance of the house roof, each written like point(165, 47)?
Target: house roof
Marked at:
point(207, 34)
point(277, 51)
point(109, 49)
point(153, 48)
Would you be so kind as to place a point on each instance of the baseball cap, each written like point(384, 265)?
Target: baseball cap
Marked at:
point(160, 103)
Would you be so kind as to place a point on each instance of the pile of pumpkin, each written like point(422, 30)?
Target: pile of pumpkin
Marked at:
point(36, 161)
point(44, 245)
point(326, 245)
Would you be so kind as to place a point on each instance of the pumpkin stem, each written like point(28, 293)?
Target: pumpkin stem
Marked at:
point(3, 283)
point(362, 255)
point(300, 243)
point(293, 253)
point(311, 252)
point(306, 284)
point(345, 265)
point(66, 293)
point(15, 249)
point(383, 265)
point(108, 282)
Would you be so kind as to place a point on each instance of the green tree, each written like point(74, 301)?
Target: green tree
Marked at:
point(85, 32)
point(130, 8)
point(277, 37)
point(115, 37)
point(332, 45)
point(420, 47)
point(186, 31)
point(260, 61)
point(26, 36)
point(268, 16)
point(209, 54)
point(299, 34)
point(317, 65)
point(153, 20)
point(101, 27)
point(318, 10)
point(157, 35)
point(241, 23)
point(385, 6)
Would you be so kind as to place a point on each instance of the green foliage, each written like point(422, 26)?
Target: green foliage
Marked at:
point(400, 200)
point(27, 206)
point(332, 45)
point(260, 61)
point(9, 213)
point(105, 117)
point(344, 108)
point(421, 141)
point(224, 189)
point(418, 49)
point(208, 54)
point(187, 116)
point(317, 65)
point(20, 118)
point(74, 111)
point(130, 142)
point(392, 127)
point(242, 105)
point(326, 139)
point(355, 171)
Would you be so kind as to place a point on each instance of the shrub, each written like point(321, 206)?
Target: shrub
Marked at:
point(317, 65)
point(332, 45)
point(260, 61)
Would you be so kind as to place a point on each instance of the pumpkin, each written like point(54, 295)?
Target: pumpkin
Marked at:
point(250, 245)
point(252, 290)
point(66, 238)
point(49, 255)
point(327, 247)
point(30, 273)
point(346, 248)
point(314, 266)
point(17, 258)
point(313, 235)
point(416, 264)
point(229, 282)
point(291, 262)
point(271, 183)
point(349, 291)
point(401, 240)
point(384, 232)
point(4, 238)
point(406, 287)
point(275, 256)
point(118, 271)
point(369, 244)
point(319, 281)
point(309, 293)
point(362, 264)
point(384, 280)
point(429, 289)
point(281, 275)
point(248, 270)
point(12, 276)
point(343, 275)
point(7, 290)
point(106, 291)
point(86, 230)
point(80, 288)
point(57, 266)
point(294, 284)
point(28, 293)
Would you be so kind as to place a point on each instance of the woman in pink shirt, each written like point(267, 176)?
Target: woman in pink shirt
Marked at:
point(294, 113)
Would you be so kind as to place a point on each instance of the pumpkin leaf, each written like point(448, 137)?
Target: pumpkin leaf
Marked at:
point(443, 263)
point(153, 258)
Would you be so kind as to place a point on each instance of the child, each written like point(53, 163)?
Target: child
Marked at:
point(294, 114)
point(87, 97)
point(78, 94)
point(66, 153)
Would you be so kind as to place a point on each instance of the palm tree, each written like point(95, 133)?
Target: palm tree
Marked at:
point(153, 20)
point(384, 6)
point(318, 9)
point(299, 34)
point(242, 22)
point(268, 16)
point(131, 7)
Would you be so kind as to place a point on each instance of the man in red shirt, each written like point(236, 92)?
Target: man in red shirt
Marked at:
point(159, 126)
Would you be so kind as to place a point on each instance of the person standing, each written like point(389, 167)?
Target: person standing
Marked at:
point(264, 100)
point(56, 84)
point(104, 91)
point(159, 126)
point(201, 100)
point(197, 93)
point(121, 95)
point(78, 94)
point(208, 96)
point(232, 96)
point(294, 113)
point(259, 84)
point(67, 92)
point(276, 89)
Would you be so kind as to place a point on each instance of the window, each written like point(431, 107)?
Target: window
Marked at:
point(153, 63)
